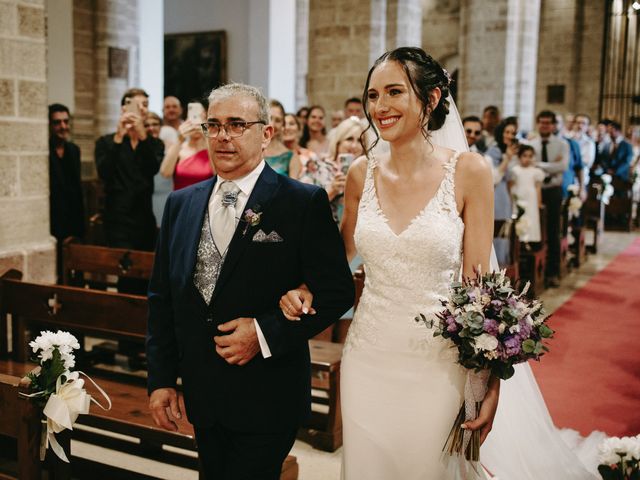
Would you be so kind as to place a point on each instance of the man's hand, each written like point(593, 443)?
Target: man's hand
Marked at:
point(165, 408)
point(239, 347)
point(487, 414)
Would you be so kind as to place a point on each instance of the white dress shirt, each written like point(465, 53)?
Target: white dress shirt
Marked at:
point(246, 185)
point(558, 156)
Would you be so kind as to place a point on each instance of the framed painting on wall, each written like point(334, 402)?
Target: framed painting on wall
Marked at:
point(194, 64)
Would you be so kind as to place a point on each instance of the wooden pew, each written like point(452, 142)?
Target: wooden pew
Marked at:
point(618, 214)
point(33, 306)
point(91, 266)
point(533, 260)
point(19, 420)
point(324, 430)
point(594, 213)
point(507, 229)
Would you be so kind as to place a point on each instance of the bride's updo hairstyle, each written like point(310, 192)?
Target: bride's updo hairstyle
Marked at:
point(424, 74)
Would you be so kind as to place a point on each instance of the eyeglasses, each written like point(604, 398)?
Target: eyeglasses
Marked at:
point(475, 132)
point(234, 129)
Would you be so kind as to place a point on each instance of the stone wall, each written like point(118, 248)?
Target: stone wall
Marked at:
point(98, 25)
point(25, 242)
point(570, 54)
point(441, 31)
point(339, 47)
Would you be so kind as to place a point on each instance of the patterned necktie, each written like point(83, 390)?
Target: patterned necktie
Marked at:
point(224, 215)
point(545, 154)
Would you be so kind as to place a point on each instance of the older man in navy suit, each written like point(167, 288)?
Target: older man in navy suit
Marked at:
point(228, 249)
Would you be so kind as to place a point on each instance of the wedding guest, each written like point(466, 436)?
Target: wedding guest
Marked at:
point(526, 180)
point(473, 132)
point(503, 154)
point(490, 120)
point(330, 171)
point(314, 133)
point(153, 124)
point(587, 145)
point(552, 156)
point(353, 108)
point(302, 114)
point(283, 160)
point(187, 160)
point(126, 162)
point(291, 138)
point(66, 203)
point(172, 119)
point(620, 154)
point(336, 117)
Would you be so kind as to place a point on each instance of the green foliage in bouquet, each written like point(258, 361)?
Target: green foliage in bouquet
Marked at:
point(44, 381)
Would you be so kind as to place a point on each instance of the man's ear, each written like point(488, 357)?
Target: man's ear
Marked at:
point(267, 135)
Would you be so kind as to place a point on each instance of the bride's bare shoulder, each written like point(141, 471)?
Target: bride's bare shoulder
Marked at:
point(358, 170)
point(473, 170)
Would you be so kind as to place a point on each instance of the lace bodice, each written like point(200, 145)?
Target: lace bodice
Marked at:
point(406, 273)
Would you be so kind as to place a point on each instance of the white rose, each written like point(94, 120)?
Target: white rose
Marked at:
point(485, 342)
point(607, 451)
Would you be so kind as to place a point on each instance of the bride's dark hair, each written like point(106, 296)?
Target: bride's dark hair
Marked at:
point(424, 74)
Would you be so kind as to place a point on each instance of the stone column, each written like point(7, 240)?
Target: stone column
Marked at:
point(409, 23)
point(344, 37)
point(25, 241)
point(302, 51)
point(498, 57)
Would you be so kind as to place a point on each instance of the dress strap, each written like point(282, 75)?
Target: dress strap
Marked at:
point(447, 192)
point(368, 190)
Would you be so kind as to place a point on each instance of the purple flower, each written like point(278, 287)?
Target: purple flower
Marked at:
point(491, 326)
point(525, 330)
point(496, 304)
point(512, 346)
point(452, 326)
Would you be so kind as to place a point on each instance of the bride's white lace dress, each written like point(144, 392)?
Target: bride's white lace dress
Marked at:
point(401, 388)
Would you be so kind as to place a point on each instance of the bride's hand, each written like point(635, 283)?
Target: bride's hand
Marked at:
point(484, 422)
point(297, 302)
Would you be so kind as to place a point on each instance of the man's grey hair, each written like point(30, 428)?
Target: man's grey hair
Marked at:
point(240, 89)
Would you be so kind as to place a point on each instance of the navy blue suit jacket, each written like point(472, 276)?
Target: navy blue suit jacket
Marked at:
point(266, 394)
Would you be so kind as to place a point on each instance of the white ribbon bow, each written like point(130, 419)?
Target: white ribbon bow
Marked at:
point(63, 407)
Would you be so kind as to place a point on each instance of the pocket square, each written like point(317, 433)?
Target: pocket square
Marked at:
point(262, 237)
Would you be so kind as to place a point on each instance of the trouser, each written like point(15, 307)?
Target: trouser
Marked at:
point(228, 455)
point(552, 199)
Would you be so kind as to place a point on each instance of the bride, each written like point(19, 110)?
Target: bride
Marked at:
point(418, 215)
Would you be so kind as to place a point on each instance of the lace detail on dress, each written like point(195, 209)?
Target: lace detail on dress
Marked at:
point(406, 273)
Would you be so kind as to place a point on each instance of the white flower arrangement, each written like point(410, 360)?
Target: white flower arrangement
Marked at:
point(59, 390)
point(620, 458)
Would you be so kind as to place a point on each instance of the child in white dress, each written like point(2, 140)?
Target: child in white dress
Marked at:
point(526, 181)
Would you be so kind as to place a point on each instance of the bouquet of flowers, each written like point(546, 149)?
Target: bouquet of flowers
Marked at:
point(620, 458)
point(493, 327)
point(55, 387)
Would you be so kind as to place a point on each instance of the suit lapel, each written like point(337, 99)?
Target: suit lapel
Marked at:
point(198, 204)
point(264, 190)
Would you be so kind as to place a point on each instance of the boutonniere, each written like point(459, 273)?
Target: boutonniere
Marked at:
point(251, 217)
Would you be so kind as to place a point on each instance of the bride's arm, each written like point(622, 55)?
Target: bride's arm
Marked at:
point(475, 188)
point(294, 302)
point(474, 193)
point(352, 195)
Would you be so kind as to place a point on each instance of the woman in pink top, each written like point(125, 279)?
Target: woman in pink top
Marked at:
point(187, 160)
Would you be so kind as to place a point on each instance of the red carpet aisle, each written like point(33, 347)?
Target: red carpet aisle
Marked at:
point(591, 378)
